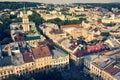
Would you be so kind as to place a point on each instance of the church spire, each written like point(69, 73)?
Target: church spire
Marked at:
point(24, 10)
point(25, 20)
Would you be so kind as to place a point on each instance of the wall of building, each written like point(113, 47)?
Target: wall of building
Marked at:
point(44, 63)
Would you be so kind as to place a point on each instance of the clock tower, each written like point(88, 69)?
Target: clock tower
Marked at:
point(25, 20)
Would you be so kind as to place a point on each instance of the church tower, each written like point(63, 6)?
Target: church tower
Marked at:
point(25, 20)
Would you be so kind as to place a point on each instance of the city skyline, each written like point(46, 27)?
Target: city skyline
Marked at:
point(66, 1)
point(60, 40)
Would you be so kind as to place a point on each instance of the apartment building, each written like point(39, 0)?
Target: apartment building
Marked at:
point(21, 58)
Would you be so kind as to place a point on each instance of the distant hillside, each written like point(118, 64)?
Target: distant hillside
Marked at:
point(103, 5)
point(16, 5)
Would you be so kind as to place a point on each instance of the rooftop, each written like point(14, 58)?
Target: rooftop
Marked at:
point(5, 61)
point(41, 52)
point(57, 53)
point(117, 76)
point(18, 35)
point(112, 68)
point(89, 49)
point(70, 26)
point(66, 43)
point(103, 61)
point(91, 57)
point(56, 31)
point(17, 59)
point(10, 55)
point(73, 46)
point(28, 57)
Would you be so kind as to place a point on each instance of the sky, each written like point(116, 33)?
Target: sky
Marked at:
point(68, 1)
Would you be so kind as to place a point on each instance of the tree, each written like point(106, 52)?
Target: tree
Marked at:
point(81, 40)
point(17, 20)
point(95, 41)
point(16, 5)
point(32, 79)
point(5, 36)
point(57, 21)
point(42, 75)
point(35, 17)
point(21, 27)
point(6, 40)
point(74, 78)
point(12, 77)
point(105, 34)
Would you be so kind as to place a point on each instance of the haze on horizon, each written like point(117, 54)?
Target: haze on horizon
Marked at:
point(65, 1)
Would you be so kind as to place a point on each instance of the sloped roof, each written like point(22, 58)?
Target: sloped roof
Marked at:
point(71, 25)
point(27, 56)
point(41, 52)
point(112, 69)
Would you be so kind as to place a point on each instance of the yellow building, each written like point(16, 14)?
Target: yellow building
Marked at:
point(104, 68)
point(20, 58)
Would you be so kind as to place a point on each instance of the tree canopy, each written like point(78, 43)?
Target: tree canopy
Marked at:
point(16, 5)
point(45, 75)
point(35, 17)
point(60, 22)
point(5, 36)
point(105, 34)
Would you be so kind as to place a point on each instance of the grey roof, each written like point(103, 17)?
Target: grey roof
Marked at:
point(17, 59)
point(90, 57)
point(57, 53)
point(103, 61)
point(5, 61)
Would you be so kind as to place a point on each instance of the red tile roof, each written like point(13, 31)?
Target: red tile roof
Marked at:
point(111, 69)
point(80, 53)
point(89, 49)
point(71, 25)
point(96, 47)
point(27, 56)
point(41, 52)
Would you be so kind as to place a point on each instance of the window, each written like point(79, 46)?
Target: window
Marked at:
point(11, 71)
point(17, 71)
point(8, 72)
point(4, 72)
point(32, 63)
point(1, 73)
